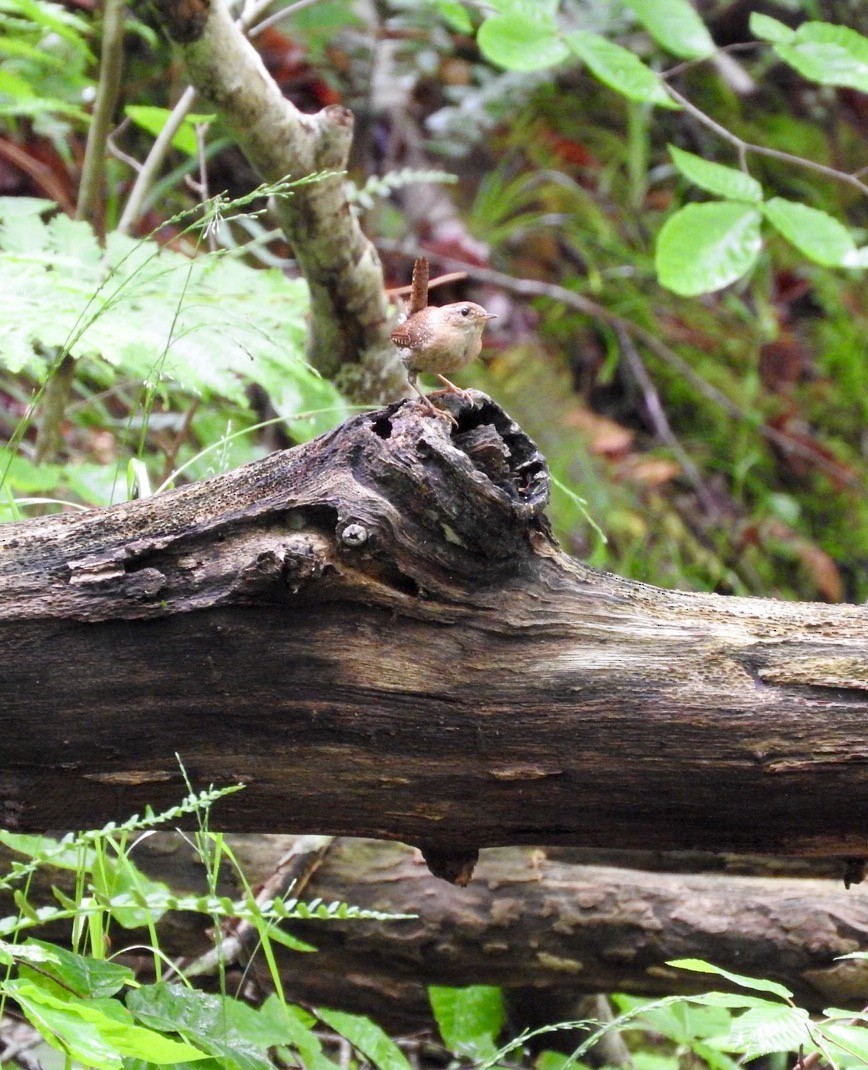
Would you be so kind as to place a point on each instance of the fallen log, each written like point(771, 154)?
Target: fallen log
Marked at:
point(377, 633)
point(547, 929)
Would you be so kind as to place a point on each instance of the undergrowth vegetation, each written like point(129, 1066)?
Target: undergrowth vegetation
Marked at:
point(670, 218)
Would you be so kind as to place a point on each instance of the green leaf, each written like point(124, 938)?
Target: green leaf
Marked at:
point(520, 42)
point(704, 247)
point(618, 68)
point(715, 178)
point(769, 29)
point(209, 324)
point(99, 1033)
point(299, 1026)
point(731, 1000)
point(755, 983)
point(542, 11)
point(830, 55)
point(469, 1019)
point(816, 235)
point(80, 974)
point(153, 119)
point(118, 879)
point(452, 12)
point(847, 1041)
point(202, 1018)
point(675, 26)
point(774, 1027)
point(367, 1038)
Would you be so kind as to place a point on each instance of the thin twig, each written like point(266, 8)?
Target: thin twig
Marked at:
point(660, 422)
point(763, 150)
point(154, 161)
point(688, 64)
point(279, 16)
point(110, 70)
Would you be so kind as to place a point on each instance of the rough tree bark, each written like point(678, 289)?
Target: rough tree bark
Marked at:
point(377, 633)
point(546, 928)
point(350, 320)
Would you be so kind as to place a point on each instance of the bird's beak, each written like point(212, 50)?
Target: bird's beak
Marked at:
point(491, 315)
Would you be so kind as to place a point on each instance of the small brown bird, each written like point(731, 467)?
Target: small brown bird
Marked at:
point(441, 339)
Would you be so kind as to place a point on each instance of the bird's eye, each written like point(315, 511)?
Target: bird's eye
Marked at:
point(465, 311)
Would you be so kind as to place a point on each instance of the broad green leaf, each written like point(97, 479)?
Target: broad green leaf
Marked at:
point(556, 1060)
point(119, 878)
point(819, 236)
point(367, 1038)
point(520, 42)
point(732, 1000)
point(203, 1019)
point(153, 119)
point(848, 1041)
point(469, 1019)
point(704, 247)
point(10, 953)
point(618, 68)
point(830, 55)
point(775, 1027)
point(59, 855)
point(209, 324)
point(675, 26)
point(80, 974)
point(539, 10)
point(769, 29)
point(756, 983)
point(455, 15)
point(299, 1025)
point(715, 178)
point(683, 1022)
point(98, 1033)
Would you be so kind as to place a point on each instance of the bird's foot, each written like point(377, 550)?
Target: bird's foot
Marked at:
point(444, 414)
point(451, 388)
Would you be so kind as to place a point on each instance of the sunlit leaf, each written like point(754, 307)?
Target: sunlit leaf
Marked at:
point(817, 235)
point(152, 119)
point(367, 1038)
point(830, 55)
point(520, 42)
point(201, 1017)
point(715, 178)
point(98, 1033)
point(469, 1019)
point(80, 974)
point(704, 247)
point(619, 68)
point(762, 1030)
point(758, 984)
point(455, 15)
point(675, 26)
point(769, 29)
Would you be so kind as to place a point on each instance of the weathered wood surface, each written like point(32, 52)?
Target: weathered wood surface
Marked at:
point(546, 928)
point(378, 635)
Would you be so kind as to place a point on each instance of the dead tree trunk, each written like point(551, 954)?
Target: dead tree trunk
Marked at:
point(377, 633)
point(545, 928)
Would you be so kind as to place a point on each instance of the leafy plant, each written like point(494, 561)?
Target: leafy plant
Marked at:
point(98, 1014)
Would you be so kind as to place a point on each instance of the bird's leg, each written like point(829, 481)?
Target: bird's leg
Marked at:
point(442, 413)
point(451, 388)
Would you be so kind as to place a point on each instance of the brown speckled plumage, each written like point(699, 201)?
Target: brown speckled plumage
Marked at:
point(441, 339)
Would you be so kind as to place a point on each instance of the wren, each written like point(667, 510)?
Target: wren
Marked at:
point(441, 339)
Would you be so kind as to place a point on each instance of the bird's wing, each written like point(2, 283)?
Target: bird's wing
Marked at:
point(401, 335)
